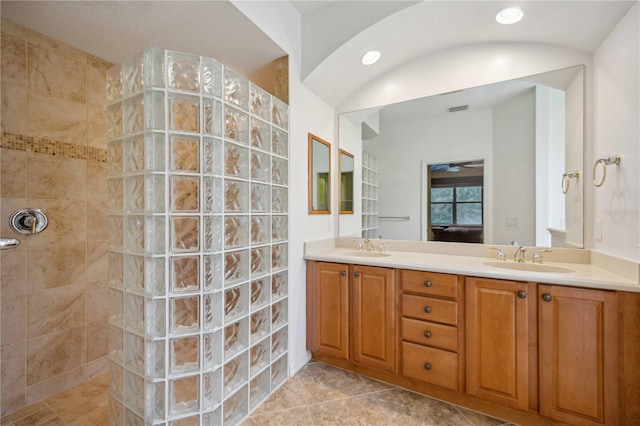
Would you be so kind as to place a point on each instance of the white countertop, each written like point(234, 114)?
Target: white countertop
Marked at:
point(581, 274)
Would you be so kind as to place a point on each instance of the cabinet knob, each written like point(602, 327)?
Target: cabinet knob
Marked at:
point(357, 274)
point(343, 273)
point(546, 297)
point(427, 309)
point(522, 294)
point(427, 334)
point(427, 283)
point(427, 366)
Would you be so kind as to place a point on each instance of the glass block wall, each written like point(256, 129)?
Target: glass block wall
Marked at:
point(198, 228)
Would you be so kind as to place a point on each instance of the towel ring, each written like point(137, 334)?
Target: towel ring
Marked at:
point(565, 180)
point(605, 161)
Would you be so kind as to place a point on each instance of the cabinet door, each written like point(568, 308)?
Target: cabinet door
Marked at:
point(374, 317)
point(578, 355)
point(328, 309)
point(497, 340)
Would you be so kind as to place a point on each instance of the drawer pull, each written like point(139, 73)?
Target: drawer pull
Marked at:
point(522, 294)
point(427, 334)
point(427, 366)
point(427, 283)
point(546, 297)
point(357, 274)
point(343, 273)
point(427, 309)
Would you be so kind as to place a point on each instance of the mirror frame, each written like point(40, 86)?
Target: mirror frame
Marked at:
point(342, 152)
point(312, 140)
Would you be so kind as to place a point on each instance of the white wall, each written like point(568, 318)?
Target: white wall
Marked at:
point(514, 170)
point(308, 114)
point(616, 131)
point(400, 150)
point(575, 159)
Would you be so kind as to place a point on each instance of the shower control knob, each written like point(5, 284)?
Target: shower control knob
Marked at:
point(28, 221)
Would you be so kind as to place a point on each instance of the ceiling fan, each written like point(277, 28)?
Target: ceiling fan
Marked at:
point(455, 167)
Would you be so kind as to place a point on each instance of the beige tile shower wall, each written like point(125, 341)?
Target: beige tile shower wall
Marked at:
point(54, 286)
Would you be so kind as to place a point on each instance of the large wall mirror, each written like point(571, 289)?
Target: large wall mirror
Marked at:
point(345, 189)
point(319, 175)
point(482, 165)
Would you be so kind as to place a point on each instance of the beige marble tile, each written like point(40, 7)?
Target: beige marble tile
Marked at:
point(12, 402)
point(56, 75)
point(98, 63)
point(293, 416)
point(97, 182)
point(14, 173)
point(98, 335)
point(13, 272)
point(321, 382)
point(14, 318)
point(12, 28)
point(90, 414)
point(54, 354)
point(60, 48)
point(289, 395)
point(95, 389)
point(97, 260)
point(27, 411)
point(54, 385)
point(66, 222)
point(97, 218)
point(58, 178)
point(55, 265)
point(58, 119)
point(14, 61)
point(97, 127)
point(97, 297)
point(96, 84)
point(41, 417)
point(479, 419)
point(96, 368)
point(55, 309)
point(14, 109)
point(13, 368)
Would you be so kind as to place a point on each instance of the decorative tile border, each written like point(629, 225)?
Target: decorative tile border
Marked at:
point(50, 147)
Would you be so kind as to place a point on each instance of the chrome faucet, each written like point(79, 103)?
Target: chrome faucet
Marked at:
point(369, 244)
point(520, 251)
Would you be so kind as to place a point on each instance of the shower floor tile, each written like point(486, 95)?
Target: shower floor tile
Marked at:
point(82, 405)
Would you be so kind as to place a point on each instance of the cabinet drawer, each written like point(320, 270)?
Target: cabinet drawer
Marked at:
point(430, 365)
point(429, 283)
point(430, 333)
point(430, 309)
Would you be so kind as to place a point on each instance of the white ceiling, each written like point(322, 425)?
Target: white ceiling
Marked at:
point(402, 31)
point(432, 26)
point(117, 30)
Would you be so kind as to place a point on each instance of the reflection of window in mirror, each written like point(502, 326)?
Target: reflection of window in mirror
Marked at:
point(346, 182)
point(456, 202)
point(319, 175)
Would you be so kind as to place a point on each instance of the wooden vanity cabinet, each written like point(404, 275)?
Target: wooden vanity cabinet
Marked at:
point(351, 313)
point(501, 341)
point(579, 353)
point(431, 347)
point(373, 317)
point(328, 309)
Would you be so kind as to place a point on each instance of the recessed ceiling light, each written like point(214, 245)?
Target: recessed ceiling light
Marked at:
point(509, 15)
point(371, 57)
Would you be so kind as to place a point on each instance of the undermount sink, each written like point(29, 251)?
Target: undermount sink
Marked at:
point(366, 254)
point(529, 267)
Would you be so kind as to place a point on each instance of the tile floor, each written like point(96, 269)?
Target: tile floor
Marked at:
point(86, 404)
point(318, 395)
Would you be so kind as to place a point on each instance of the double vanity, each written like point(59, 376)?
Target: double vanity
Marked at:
point(531, 343)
